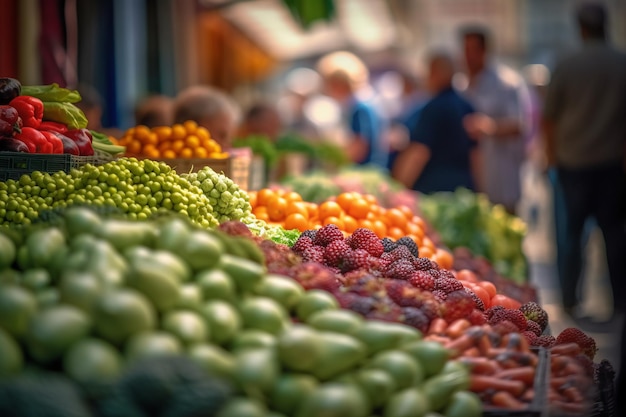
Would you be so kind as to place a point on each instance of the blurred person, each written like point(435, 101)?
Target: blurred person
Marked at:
point(585, 137)
point(441, 154)
point(91, 105)
point(262, 118)
point(155, 110)
point(501, 122)
point(210, 108)
point(345, 76)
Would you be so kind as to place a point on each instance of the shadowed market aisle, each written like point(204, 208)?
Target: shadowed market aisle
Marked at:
point(536, 210)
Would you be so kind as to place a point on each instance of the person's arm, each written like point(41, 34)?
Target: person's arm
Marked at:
point(410, 164)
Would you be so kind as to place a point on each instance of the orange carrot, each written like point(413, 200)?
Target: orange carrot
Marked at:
point(472, 352)
point(480, 383)
point(481, 365)
point(484, 344)
point(570, 349)
point(438, 326)
point(526, 374)
point(504, 399)
point(457, 327)
point(459, 344)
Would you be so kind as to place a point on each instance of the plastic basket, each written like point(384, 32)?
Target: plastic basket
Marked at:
point(15, 164)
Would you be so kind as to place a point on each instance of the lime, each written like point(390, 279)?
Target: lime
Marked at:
point(17, 308)
point(92, 360)
point(120, 313)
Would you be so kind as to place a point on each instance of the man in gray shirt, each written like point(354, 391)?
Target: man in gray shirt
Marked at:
point(585, 134)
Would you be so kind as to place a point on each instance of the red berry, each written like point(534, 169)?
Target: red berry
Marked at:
point(335, 252)
point(477, 317)
point(400, 269)
point(586, 343)
point(313, 254)
point(302, 244)
point(358, 258)
point(363, 238)
point(457, 305)
point(545, 340)
point(448, 285)
point(514, 316)
point(422, 280)
point(327, 234)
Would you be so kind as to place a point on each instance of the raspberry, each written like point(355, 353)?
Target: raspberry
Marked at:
point(514, 316)
point(358, 258)
point(545, 340)
point(444, 273)
point(406, 296)
point(327, 234)
point(435, 273)
point(400, 269)
point(415, 317)
point(313, 275)
point(530, 336)
point(458, 304)
point(311, 233)
point(410, 244)
point(492, 310)
point(439, 295)
point(388, 244)
point(363, 238)
point(313, 254)
point(302, 244)
point(586, 343)
point(422, 280)
point(477, 317)
point(422, 264)
point(505, 327)
point(434, 265)
point(448, 285)
point(401, 252)
point(335, 252)
point(431, 308)
point(534, 312)
point(533, 327)
point(395, 289)
point(479, 303)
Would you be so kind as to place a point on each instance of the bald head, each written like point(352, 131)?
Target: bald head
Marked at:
point(440, 71)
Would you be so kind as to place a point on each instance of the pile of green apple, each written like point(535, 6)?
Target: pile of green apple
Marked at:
point(91, 295)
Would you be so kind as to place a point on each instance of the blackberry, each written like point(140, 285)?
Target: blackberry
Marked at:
point(356, 303)
point(431, 308)
point(406, 296)
point(313, 254)
point(395, 289)
point(327, 234)
point(302, 244)
point(532, 311)
point(422, 264)
point(335, 252)
point(401, 252)
point(457, 305)
point(445, 273)
point(435, 273)
point(310, 233)
point(410, 244)
point(388, 244)
point(422, 280)
point(439, 295)
point(363, 238)
point(492, 310)
point(314, 275)
point(448, 285)
point(358, 258)
point(479, 303)
point(416, 318)
point(400, 269)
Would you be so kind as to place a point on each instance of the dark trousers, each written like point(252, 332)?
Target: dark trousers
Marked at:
point(593, 192)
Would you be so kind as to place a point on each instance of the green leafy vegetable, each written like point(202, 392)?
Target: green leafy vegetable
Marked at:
point(51, 92)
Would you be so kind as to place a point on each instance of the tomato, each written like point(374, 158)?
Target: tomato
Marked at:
point(245, 274)
point(379, 335)
point(466, 275)
point(17, 308)
point(222, 319)
point(431, 355)
point(53, 330)
point(504, 301)
point(290, 390)
point(299, 348)
point(410, 402)
point(481, 293)
point(489, 287)
point(216, 285)
point(263, 314)
point(256, 370)
point(339, 353)
point(11, 360)
point(464, 404)
point(121, 313)
point(152, 343)
point(188, 326)
point(340, 321)
point(377, 385)
point(242, 407)
point(405, 370)
point(92, 360)
point(281, 289)
point(213, 359)
point(334, 399)
point(315, 300)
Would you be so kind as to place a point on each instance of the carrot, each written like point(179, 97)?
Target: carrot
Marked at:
point(481, 365)
point(459, 344)
point(457, 327)
point(472, 352)
point(569, 349)
point(437, 338)
point(495, 352)
point(484, 344)
point(516, 342)
point(437, 326)
point(480, 383)
point(526, 374)
point(506, 400)
point(525, 358)
point(529, 395)
point(558, 363)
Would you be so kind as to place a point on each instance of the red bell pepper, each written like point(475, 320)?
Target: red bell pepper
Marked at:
point(10, 120)
point(57, 143)
point(35, 140)
point(82, 138)
point(53, 126)
point(30, 110)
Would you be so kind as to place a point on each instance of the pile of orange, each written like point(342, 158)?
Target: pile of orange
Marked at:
point(349, 211)
point(186, 140)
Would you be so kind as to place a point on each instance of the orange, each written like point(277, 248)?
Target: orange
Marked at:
point(311, 208)
point(168, 154)
point(200, 152)
point(329, 209)
point(368, 224)
point(264, 195)
point(296, 221)
point(379, 228)
point(345, 200)
point(370, 198)
point(151, 151)
point(297, 207)
point(203, 133)
point(142, 133)
point(396, 218)
point(444, 258)
point(414, 229)
point(252, 198)
point(192, 141)
point(177, 145)
point(408, 213)
point(178, 132)
point(425, 252)
point(277, 209)
point(419, 221)
point(293, 196)
point(186, 153)
point(260, 212)
point(429, 243)
point(359, 208)
point(349, 223)
point(395, 232)
point(163, 133)
point(333, 220)
point(190, 126)
point(133, 147)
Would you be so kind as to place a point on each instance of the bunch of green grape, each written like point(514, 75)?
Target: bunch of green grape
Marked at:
point(138, 188)
point(229, 202)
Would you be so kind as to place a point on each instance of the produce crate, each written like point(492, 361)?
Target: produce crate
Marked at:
point(539, 406)
point(258, 176)
point(187, 165)
point(15, 164)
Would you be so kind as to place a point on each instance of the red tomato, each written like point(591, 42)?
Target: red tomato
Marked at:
point(489, 287)
point(482, 294)
point(504, 301)
point(467, 275)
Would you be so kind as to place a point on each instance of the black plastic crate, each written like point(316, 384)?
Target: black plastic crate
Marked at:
point(15, 164)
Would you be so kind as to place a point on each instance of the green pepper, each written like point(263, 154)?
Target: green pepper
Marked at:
point(66, 113)
point(51, 92)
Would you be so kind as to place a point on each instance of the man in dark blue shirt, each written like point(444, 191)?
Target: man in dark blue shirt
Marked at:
point(441, 155)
